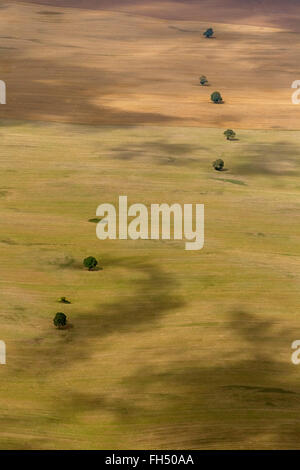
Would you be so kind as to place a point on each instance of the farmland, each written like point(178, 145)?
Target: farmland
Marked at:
point(165, 348)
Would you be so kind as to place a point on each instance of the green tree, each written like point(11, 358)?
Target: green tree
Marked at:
point(203, 80)
point(90, 262)
point(60, 320)
point(218, 164)
point(230, 134)
point(208, 33)
point(216, 97)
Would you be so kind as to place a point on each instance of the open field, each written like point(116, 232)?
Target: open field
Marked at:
point(256, 12)
point(111, 68)
point(168, 348)
point(165, 348)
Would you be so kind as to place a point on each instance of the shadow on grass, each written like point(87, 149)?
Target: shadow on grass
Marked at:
point(247, 395)
point(232, 181)
point(278, 158)
point(237, 396)
point(243, 397)
point(154, 294)
point(76, 90)
point(161, 152)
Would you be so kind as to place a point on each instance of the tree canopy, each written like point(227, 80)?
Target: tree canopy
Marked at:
point(90, 262)
point(218, 164)
point(203, 80)
point(230, 134)
point(208, 33)
point(216, 97)
point(60, 320)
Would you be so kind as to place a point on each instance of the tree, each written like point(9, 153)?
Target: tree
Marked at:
point(216, 97)
point(90, 262)
point(60, 320)
point(208, 33)
point(203, 80)
point(218, 164)
point(63, 300)
point(230, 134)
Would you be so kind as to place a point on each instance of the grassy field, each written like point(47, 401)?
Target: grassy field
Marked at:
point(115, 68)
point(253, 12)
point(166, 348)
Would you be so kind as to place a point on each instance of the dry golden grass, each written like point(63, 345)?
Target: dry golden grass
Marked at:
point(256, 13)
point(100, 67)
point(166, 349)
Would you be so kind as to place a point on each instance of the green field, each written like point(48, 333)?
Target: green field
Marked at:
point(166, 348)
